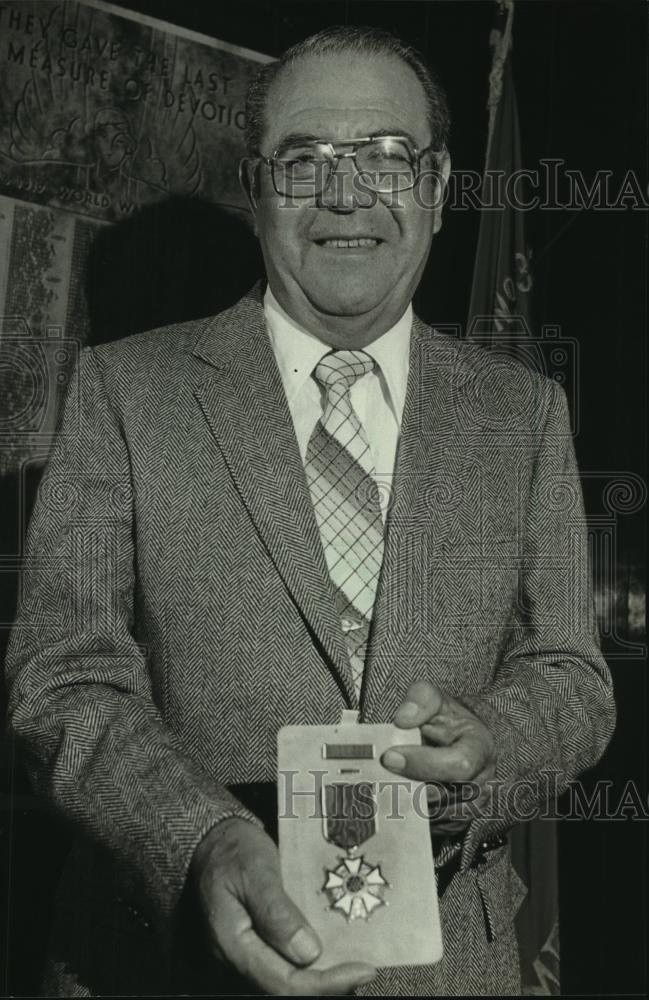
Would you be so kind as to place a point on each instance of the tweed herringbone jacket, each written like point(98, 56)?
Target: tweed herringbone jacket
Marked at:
point(176, 611)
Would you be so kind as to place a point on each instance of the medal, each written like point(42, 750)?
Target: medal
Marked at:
point(354, 887)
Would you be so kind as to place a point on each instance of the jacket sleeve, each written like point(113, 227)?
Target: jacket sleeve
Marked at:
point(81, 704)
point(550, 706)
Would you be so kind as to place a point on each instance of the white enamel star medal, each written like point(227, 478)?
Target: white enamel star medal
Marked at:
point(355, 888)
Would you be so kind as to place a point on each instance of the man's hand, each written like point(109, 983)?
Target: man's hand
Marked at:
point(251, 921)
point(457, 754)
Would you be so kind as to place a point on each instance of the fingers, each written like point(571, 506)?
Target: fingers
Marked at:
point(462, 761)
point(440, 732)
point(246, 864)
point(336, 981)
point(271, 972)
point(423, 700)
point(277, 919)
point(450, 807)
point(441, 797)
point(461, 743)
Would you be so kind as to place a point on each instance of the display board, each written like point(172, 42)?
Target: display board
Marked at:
point(102, 111)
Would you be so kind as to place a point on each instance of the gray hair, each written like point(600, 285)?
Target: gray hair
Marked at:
point(350, 39)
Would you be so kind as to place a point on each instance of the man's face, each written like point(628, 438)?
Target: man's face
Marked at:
point(346, 295)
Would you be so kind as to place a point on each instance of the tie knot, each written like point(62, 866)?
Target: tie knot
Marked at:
point(340, 369)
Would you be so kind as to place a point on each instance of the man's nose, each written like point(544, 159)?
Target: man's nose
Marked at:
point(344, 191)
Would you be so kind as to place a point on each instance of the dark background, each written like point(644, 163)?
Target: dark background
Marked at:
point(581, 76)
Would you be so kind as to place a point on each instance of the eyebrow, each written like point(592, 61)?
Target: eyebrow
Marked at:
point(294, 137)
point(390, 131)
point(297, 137)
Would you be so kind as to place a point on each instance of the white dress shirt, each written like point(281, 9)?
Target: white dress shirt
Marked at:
point(378, 397)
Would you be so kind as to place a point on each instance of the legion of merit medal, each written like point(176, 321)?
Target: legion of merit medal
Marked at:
point(356, 886)
point(355, 845)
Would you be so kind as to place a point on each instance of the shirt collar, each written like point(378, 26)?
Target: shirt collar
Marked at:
point(298, 352)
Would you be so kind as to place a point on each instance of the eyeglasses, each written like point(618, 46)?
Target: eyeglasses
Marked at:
point(386, 164)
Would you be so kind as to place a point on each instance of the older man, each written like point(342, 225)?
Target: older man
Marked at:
point(308, 503)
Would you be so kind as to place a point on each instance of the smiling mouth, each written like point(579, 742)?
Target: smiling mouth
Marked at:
point(339, 243)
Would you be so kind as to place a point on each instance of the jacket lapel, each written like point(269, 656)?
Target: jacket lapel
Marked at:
point(428, 489)
point(243, 400)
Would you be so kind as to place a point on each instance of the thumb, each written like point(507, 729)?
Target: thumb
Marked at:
point(422, 702)
point(279, 922)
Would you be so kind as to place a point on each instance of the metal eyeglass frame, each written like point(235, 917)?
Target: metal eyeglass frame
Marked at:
point(416, 158)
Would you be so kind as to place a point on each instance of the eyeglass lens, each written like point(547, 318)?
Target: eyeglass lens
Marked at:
point(386, 164)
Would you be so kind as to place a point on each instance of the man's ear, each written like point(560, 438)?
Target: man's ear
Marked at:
point(442, 172)
point(248, 175)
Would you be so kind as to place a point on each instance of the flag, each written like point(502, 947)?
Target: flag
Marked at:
point(499, 311)
point(500, 319)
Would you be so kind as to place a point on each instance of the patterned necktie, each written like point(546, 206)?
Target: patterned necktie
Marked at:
point(339, 471)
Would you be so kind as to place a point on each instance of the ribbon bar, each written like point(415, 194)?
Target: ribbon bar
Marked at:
point(348, 751)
